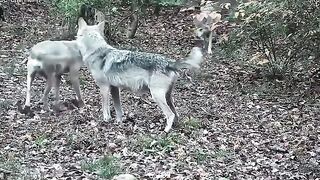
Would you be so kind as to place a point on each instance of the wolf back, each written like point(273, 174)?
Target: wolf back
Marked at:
point(114, 62)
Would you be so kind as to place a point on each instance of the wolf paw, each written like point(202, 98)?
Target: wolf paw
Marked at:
point(107, 119)
point(57, 108)
point(167, 129)
point(78, 103)
point(119, 118)
point(81, 104)
point(25, 110)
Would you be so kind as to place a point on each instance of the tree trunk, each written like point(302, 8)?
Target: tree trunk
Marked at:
point(124, 3)
point(87, 13)
point(157, 10)
point(134, 20)
point(133, 25)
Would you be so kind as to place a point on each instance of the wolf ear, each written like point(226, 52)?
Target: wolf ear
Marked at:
point(81, 23)
point(101, 26)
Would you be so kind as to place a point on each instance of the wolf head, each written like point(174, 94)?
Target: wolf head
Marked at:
point(89, 38)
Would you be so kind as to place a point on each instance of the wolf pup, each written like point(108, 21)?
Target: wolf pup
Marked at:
point(112, 69)
point(51, 59)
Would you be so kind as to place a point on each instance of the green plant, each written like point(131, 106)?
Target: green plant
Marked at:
point(202, 156)
point(146, 3)
point(106, 167)
point(13, 168)
point(5, 105)
point(166, 144)
point(41, 141)
point(9, 69)
point(11, 164)
point(284, 36)
point(70, 9)
point(169, 2)
point(82, 80)
point(221, 153)
point(152, 145)
point(143, 142)
point(192, 123)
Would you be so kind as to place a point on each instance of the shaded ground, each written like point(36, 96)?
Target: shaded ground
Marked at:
point(231, 126)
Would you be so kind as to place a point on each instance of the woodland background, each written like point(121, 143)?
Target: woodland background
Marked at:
point(252, 112)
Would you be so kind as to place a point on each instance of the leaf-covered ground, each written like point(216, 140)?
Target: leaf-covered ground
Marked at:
point(231, 125)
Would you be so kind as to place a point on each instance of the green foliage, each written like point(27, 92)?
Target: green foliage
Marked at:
point(204, 155)
point(169, 2)
point(285, 32)
point(142, 142)
point(221, 154)
point(107, 167)
point(70, 8)
point(9, 69)
point(5, 105)
point(192, 123)
point(13, 168)
point(148, 144)
point(145, 3)
point(10, 164)
point(41, 141)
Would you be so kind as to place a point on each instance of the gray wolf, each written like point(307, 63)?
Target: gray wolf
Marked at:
point(51, 59)
point(113, 68)
point(208, 21)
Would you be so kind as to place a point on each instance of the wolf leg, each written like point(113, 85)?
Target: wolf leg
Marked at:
point(30, 78)
point(210, 43)
point(117, 102)
point(74, 78)
point(170, 101)
point(46, 91)
point(104, 90)
point(159, 96)
point(56, 80)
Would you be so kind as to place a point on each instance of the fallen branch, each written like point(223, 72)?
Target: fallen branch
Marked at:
point(10, 50)
point(6, 171)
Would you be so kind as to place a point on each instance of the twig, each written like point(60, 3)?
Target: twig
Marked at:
point(5, 171)
point(121, 21)
point(10, 50)
point(204, 110)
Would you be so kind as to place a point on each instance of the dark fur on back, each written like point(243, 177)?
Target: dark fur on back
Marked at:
point(123, 60)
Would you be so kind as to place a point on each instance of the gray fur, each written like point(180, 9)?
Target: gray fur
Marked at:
point(51, 59)
point(112, 69)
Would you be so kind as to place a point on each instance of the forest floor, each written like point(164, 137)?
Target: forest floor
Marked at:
point(231, 126)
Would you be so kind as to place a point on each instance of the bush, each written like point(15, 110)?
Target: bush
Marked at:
point(169, 2)
point(106, 167)
point(70, 9)
point(284, 35)
point(145, 3)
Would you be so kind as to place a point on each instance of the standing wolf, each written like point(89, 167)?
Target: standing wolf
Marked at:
point(112, 69)
point(51, 59)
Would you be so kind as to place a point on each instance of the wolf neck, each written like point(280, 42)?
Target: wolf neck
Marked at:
point(94, 47)
point(97, 55)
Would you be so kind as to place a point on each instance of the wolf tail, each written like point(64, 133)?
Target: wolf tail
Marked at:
point(193, 61)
